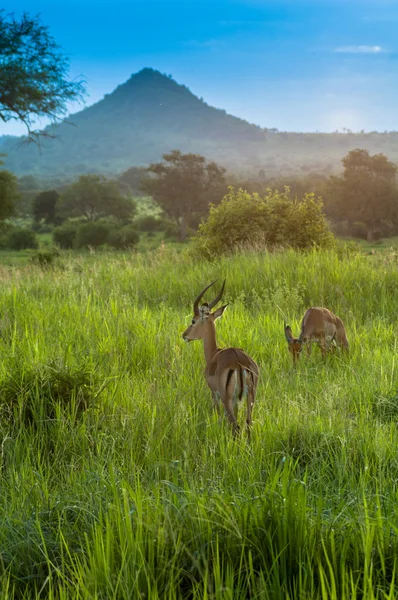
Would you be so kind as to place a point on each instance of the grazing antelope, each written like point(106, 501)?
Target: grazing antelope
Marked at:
point(230, 373)
point(319, 325)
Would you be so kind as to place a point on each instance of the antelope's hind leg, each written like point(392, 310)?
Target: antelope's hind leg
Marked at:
point(229, 404)
point(251, 391)
point(323, 347)
point(216, 403)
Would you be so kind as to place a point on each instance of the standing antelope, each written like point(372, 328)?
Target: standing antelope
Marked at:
point(230, 372)
point(319, 325)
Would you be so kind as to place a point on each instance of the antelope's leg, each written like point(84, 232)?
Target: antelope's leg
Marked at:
point(216, 402)
point(228, 385)
point(250, 402)
point(227, 401)
point(322, 345)
point(309, 347)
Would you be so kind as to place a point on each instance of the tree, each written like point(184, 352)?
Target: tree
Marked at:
point(133, 177)
point(8, 194)
point(367, 192)
point(34, 74)
point(94, 197)
point(184, 185)
point(44, 206)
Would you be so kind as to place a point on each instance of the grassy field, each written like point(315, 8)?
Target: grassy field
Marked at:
point(117, 481)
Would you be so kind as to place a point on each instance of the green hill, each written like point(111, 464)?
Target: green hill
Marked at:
point(151, 114)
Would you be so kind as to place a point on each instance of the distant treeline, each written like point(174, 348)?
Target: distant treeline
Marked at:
point(361, 202)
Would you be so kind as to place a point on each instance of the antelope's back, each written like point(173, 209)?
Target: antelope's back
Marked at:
point(231, 358)
point(319, 320)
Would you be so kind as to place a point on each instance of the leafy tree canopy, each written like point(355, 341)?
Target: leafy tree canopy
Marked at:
point(8, 194)
point(44, 206)
point(367, 191)
point(184, 185)
point(94, 197)
point(33, 73)
point(133, 178)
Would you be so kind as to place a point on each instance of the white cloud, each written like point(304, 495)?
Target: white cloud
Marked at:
point(360, 49)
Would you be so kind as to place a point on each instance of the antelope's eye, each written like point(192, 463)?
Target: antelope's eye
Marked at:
point(193, 321)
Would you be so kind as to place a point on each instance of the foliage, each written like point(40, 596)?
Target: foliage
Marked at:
point(359, 230)
point(133, 178)
point(94, 197)
point(45, 205)
point(366, 192)
point(123, 237)
point(276, 220)
point(184, 185)
point(34, 73)
point(60, 388)
point(65, 235)
point(149, 223)
point(148, 496)
point(28, 187)
point(8, 194)
point(21, 238)
point(92, 233)
point(44, 258)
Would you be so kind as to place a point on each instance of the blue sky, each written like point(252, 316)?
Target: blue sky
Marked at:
point(298, 65)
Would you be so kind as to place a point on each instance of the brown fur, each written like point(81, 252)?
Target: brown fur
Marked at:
point(227, 370)
point(321, 326)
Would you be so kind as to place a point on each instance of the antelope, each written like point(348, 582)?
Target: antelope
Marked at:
point(230, 373)
point(319, 325)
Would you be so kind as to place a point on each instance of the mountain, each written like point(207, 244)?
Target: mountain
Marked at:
point(151, 114)
point(139, 121)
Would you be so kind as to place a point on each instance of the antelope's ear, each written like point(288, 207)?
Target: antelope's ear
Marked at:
point(288, 333)
point(217, 313)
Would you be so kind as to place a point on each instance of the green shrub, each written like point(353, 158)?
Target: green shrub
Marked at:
point(44, 258)
point(92, 233)
point(149, 223)
point(125, 237)
point(32, 395)
point(21, 238)
point(65, 235)
point(359, 230)
point(244, 219)
point(170, 229)
point(42, 227)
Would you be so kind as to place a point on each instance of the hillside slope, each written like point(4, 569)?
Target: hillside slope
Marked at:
point(151, 114)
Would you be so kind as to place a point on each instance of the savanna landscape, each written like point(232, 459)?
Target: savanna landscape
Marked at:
point(118, 478)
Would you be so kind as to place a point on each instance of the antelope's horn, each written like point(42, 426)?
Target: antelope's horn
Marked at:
point(288, 333)
point(214, 302)
point(196, 302)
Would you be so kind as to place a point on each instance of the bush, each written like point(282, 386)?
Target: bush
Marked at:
point(65, 235)
point(42, 227)
point(5, 230)
point(21, 238)
point(125, 237)
point(149, 223)
point(359, 230)
point(33, 395)
point(244, 219)
point(44, 258)
point(92, 233)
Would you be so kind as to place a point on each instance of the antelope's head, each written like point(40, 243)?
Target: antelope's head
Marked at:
point(202, 315)
point(295, 344)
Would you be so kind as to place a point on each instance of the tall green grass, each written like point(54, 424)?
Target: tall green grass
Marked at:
point(118, 481)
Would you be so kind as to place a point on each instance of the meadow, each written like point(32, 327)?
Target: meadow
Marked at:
point(118, 481)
